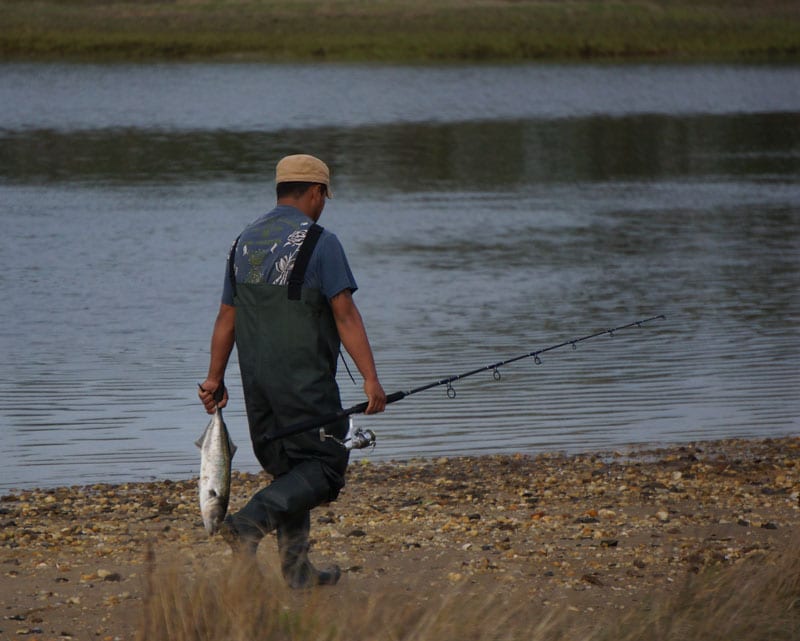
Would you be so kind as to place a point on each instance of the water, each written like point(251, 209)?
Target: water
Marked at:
point(487, 211)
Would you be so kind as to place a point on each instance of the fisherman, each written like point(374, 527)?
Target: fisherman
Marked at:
point(287, 305)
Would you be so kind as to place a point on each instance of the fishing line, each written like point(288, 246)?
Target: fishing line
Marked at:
point(321, 421)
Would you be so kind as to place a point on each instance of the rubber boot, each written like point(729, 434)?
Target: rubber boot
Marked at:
point(302, 488)
point(293, 546)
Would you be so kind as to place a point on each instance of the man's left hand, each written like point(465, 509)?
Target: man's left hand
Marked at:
point(376, 397)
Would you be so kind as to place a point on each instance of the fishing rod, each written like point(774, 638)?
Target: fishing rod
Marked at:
point(358, 439)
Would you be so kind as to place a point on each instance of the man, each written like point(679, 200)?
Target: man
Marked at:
point(287, 305)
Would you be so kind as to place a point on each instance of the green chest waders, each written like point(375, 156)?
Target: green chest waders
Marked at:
point(287, 357)
point(288, 348)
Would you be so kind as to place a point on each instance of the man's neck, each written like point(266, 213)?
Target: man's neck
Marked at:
point(301, 204)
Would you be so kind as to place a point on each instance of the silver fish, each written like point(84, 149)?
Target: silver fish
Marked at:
point(216, 453)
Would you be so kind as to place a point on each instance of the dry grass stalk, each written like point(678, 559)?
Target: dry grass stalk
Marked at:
point(755, 599)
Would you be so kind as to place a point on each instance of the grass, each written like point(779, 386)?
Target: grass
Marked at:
point(400, 30)
point(756, 599)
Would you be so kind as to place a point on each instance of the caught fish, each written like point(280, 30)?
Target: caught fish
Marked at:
point(216, 454)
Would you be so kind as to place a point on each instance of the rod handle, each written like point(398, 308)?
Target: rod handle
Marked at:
point(321, 421)
point(396, 396)
point(360, 408)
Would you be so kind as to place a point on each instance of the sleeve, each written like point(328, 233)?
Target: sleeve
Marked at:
point(227, 286)
point(334, 270)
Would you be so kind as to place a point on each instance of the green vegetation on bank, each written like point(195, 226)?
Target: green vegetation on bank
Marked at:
point(400, 30)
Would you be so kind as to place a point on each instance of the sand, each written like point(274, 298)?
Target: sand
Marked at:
point(593, 533)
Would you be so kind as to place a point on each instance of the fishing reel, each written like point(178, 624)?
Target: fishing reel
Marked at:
point(356, 439)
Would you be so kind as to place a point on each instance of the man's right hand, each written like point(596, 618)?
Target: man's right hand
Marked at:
point(208, 390)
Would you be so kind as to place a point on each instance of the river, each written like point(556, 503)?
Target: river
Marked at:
point(487, 211)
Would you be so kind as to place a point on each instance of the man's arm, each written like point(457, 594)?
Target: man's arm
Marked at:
point(222, 340)
point(354, 338)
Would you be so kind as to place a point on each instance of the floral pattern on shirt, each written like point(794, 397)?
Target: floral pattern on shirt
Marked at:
point(285, 264)
point(269, 248)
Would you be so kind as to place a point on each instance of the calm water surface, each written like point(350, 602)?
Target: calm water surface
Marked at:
point(486, 211)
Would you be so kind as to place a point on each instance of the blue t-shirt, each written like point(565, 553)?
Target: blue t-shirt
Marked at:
point(267, 249)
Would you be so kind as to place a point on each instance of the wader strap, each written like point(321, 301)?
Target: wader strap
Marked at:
point(232, 265)
point(302, 260)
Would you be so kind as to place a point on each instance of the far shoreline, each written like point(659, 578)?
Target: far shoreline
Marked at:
point(399, 32)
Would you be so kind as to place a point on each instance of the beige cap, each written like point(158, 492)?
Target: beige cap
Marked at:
point(303, 168)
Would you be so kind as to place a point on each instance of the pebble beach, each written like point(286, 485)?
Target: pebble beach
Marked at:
point(592, 533)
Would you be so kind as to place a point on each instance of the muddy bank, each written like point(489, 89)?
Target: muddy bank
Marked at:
point(594, 533)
